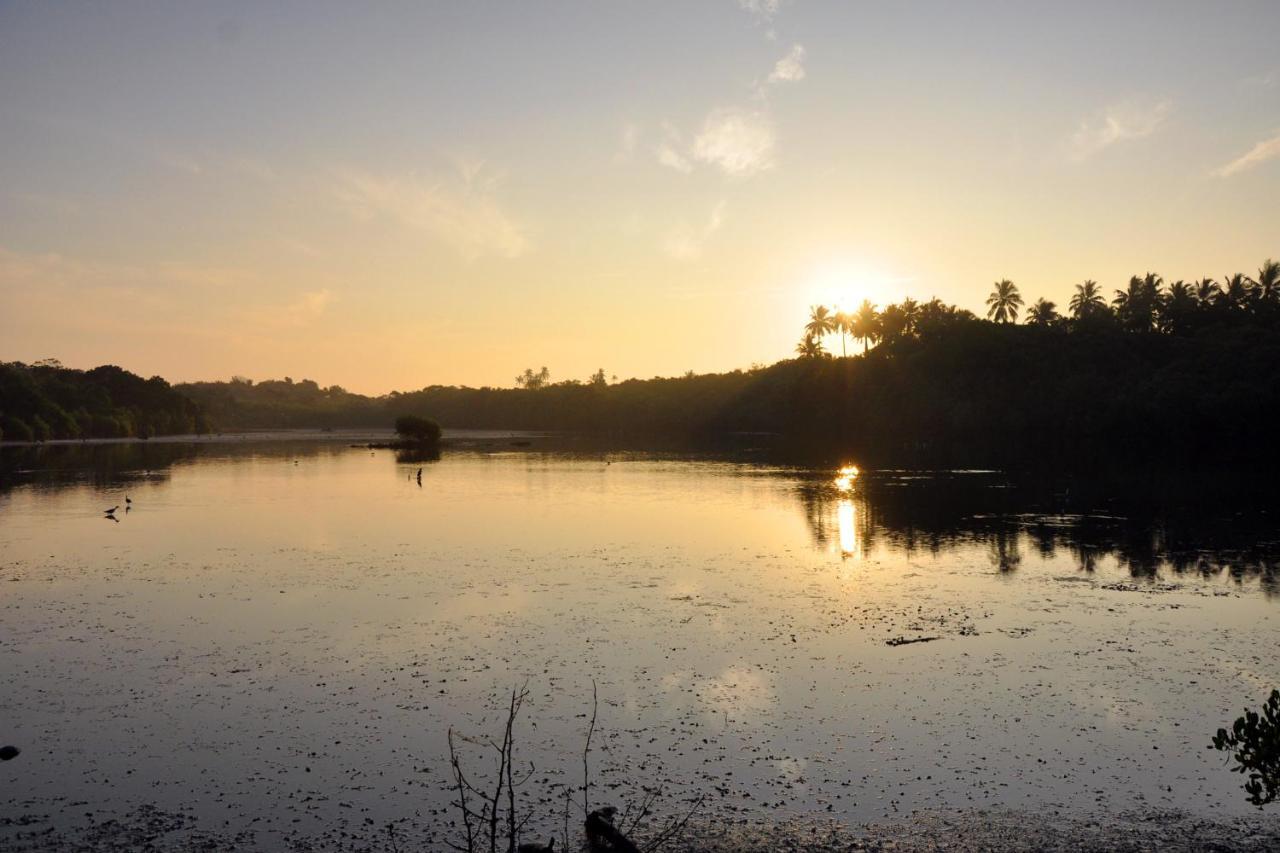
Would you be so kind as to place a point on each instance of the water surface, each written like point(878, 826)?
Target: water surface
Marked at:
point(278, 635)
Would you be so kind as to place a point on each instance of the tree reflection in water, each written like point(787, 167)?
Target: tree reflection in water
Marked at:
point(1189, 531)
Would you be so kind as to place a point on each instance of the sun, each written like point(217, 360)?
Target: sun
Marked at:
point(843, 284)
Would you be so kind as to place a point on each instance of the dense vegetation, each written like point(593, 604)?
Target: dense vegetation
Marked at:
point(1180, 373)
point(45, 400)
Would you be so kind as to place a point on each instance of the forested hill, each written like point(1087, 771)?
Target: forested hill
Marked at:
point(45, 400)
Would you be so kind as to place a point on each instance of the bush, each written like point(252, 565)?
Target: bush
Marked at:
point(417, 429)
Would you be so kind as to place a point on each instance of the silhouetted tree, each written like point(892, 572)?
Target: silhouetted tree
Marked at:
point(1043, 313)
point(894, 324)
point(810, 347)
point(1234, 295)
point(1087, 301)
point(418, 429)
point(531, 380)
point(821, 322)
point(1266, 287)
point(1207, 292)
point(1177, 311)
point(843, 323)
point(1136, 305)
point(866, 325)
point(1004, 302)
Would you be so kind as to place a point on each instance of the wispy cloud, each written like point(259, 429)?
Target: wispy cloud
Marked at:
point(1267, 149)
point(1120, 122)
point(686, 242)
point(789, 68)
point(670, 150)
point(673, 159)
point(740, 142)
point(761, 10)
point(462, 212)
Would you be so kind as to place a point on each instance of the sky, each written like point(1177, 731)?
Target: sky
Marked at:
point(388, 196)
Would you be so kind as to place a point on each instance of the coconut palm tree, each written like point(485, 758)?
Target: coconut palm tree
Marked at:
point(893, 323)
point(1004, 302)
point(810, 347)
point(910, 315)
point(1235, 291)
point(1043, 313)
point(866, 325)
point(1266, 287)
point(843, 324)
point(1207, 292)
point(821, 322)
point(1087, 300)
point(1136, 305)
point(1176, 311)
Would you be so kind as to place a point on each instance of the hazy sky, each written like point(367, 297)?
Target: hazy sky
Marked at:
point(394, 195)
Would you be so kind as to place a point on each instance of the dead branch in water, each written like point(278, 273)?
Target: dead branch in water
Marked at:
point(586, 767)
point(498, 805)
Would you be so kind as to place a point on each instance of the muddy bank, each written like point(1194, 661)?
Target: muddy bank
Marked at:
point(156, 831)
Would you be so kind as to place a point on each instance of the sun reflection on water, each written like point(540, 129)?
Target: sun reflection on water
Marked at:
point(845, 477)
point(846, 519)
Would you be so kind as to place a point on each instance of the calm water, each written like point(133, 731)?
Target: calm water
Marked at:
point(279, 635)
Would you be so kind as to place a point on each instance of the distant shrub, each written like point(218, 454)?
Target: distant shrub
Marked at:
point(418, 429)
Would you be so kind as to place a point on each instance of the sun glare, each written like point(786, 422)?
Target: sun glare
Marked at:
point(842, 285)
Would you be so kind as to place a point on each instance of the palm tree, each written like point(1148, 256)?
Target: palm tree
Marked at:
point(910, 315)
point(810, 347)
point(1004, 302)
point(1207, 291)
point(1043, 313)
point(893, 323)
point(1137, 304)
point(1235, 291)
point(821, 322)
point(866, 325)
point(1176, 310)
point(1087, 299)
point(1266, 286)
point(843, 323)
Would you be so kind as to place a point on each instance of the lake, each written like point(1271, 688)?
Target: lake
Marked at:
point(277, 635)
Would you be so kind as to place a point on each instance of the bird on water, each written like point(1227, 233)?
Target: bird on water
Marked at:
point(534, 847)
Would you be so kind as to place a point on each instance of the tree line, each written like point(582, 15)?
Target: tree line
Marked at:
point(46, 400)
point(1146, 304)
point(1179, 373)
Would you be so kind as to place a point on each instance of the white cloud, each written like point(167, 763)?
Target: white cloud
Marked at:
point(673, 159)
point(1267, 149)
point(739, 142)
point(685, 242)
point(789, 68)
point(463, 214)
point(761, 10)
point(1120, 122)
